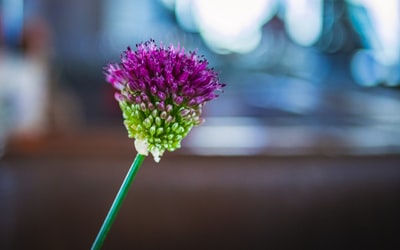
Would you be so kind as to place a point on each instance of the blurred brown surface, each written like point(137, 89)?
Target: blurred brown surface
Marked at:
point(57, 196)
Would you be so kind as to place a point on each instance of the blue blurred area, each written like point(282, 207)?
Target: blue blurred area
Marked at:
point(323, 69)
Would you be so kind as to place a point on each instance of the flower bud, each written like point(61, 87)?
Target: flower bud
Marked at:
point(161, 92)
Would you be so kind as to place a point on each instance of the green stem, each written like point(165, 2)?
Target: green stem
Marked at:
point(112, 213)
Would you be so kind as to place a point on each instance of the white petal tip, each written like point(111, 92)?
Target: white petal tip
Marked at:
point(157, 153)
point(142, 147)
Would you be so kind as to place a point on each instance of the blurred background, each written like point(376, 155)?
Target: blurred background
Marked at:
point(301, 151)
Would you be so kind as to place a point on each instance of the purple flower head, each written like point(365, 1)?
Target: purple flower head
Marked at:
point(161, 91)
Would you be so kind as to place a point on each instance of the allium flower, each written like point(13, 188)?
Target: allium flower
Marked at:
point(161, 92)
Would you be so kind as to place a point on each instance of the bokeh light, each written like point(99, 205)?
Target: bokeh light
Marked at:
point(303, 19)
point(378, 26)
point(226, 26)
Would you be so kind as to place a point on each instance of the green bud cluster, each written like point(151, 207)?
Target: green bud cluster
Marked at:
point(162, 128)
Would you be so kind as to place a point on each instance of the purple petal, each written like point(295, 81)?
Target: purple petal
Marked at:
point(178, 100)
point(161, 95)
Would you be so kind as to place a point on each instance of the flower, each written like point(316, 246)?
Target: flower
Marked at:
point(161, 92)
